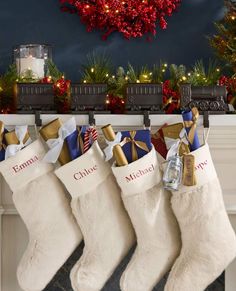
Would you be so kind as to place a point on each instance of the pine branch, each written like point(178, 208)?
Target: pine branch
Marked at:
point(97, 69)
point(53, 71)
point(159, 72)
point(132, 74)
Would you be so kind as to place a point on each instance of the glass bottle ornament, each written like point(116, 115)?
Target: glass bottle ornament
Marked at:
point(173, 173)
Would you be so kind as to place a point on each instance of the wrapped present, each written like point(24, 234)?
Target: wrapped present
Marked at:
point(81, 140)
point(159, 142)
point(50, 131)
point(190, 118)
point(114, 148)
point(136, 144)
point(171, 133)
point(90, 136)
point(75, 142)
point(2, 141)
point(16, 140)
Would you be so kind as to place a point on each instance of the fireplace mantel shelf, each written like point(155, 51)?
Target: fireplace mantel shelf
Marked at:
point(116, 119)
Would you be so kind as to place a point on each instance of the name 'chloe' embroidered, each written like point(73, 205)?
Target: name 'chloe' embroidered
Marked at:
point(139, 173)
point(85, 172)
point(20, 167)
point(201, 165)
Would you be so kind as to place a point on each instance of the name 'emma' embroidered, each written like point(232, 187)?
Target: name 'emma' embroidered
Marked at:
point(139, 173)
point(85, 172)
point(20, 167)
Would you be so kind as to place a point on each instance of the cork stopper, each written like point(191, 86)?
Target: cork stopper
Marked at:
point(108, 132)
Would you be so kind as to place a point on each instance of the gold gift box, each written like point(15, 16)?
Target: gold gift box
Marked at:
point(173, 131)
point(11, 138)
point(50, 131)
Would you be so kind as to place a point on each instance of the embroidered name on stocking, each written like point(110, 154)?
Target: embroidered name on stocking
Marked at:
point(26, 164)
point(85, 172)
point(201, 165)
point(139, 174)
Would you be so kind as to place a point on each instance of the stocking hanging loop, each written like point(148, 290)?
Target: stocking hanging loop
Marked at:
point(146, 120)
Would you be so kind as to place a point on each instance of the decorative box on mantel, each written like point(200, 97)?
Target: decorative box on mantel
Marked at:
point(143, 96)
point(205, 98)
point(39, 96)
point(34, 96)
point(86, 97)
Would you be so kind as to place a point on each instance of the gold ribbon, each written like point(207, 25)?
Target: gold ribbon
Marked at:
point(2, 145)
point(193, 124)
point(134, 143)
point(80, 141)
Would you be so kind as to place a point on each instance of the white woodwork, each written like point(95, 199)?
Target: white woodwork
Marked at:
point(222, 141)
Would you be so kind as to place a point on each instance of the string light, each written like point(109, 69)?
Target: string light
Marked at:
point(107, 75)
point(233, 17)
point(189, 74)
point(163, 70)
point(184, 78)
point(113, 77)
point(85, 81)
point(126, 78)
point(92, 70)
point(217, 70)
point(165, 65)
point(137, 81)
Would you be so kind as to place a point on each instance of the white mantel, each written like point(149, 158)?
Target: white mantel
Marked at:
point(222, 141)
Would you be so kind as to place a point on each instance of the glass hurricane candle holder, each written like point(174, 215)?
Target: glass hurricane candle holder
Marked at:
point(31, 60)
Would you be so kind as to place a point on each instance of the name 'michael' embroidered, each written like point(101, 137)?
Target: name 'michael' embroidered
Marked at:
point(139, 173)
point(20, 167)
point(85, 172)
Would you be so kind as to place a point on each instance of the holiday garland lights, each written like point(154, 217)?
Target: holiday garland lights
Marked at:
point(96, 71)
point(132, 18)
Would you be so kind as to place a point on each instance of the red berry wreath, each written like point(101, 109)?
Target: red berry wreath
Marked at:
point(132, 18)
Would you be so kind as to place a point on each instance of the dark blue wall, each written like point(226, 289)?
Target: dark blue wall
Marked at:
point(41, 21)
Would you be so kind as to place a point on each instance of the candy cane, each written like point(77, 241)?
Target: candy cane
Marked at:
point(90, 134)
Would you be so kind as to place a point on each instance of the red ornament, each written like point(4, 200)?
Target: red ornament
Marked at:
point(61, 87)
point(115, 104)
point(62, 95)
point(230, 84)
point(132, 18)
point(46, 80)
point(171, 98)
